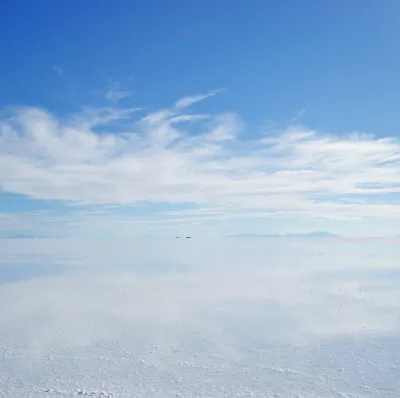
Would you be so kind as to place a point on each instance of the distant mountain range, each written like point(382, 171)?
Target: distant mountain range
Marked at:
point(315, 234)
point(19, 236)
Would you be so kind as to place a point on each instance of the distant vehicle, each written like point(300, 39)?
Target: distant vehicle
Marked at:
point(188, 237)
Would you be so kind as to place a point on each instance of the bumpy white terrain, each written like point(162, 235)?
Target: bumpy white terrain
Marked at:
point(255, 319)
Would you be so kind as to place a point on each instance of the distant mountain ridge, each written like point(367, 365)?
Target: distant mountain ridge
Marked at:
point(315, 234)
point(19, 236)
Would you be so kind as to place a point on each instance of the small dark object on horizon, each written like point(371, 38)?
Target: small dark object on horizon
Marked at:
point(188, 237)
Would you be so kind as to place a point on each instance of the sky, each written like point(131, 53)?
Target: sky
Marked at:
point(127, 119)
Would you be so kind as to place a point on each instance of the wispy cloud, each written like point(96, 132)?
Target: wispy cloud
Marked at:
point(192, 99)
point(298, 116)
point(113, 95)
point(177, 157)
point(60, 71)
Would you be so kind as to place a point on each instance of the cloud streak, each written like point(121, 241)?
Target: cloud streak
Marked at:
point(114, 156)
point(60, 71)
point(189, 100)
point(114, 95)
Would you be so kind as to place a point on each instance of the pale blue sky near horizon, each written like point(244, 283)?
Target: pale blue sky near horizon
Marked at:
point(131, 118)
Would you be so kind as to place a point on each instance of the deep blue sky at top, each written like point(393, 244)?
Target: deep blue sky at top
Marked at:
point(338, 60)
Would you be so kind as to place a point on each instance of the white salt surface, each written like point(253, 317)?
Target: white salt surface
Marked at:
point(231, 318)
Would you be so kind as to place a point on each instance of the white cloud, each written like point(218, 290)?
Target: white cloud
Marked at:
point(175, 157)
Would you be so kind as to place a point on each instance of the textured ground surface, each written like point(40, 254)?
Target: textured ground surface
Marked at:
point(242, 318)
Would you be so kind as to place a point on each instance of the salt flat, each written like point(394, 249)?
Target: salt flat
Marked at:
point(180, 318)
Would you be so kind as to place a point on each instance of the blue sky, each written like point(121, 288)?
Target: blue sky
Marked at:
point(142, 118)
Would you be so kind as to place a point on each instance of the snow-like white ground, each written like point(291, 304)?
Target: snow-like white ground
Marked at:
point(234, 318)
